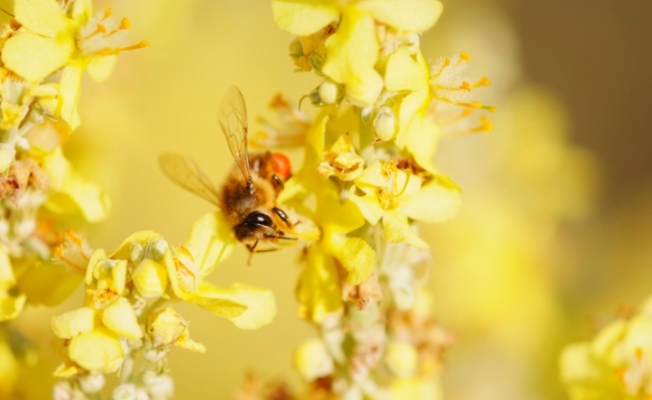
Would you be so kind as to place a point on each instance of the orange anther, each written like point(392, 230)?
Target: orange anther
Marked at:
point(484, 81)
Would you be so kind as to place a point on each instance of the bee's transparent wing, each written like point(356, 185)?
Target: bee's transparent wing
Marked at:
point(233, 121)
point(184, 172)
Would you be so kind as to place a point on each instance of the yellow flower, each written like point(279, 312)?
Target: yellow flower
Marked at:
point(318, 290)
point(72, 194)
point(209, 242)
point(166, 327)
point(353, 50)
point(616, 364)
point(52, 37)
point(342, 161)
point(97, 350)
point(418, 134)
point(18, 97)
point(394, 195)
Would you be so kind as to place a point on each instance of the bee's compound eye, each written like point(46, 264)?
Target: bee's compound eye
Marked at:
point(257, 218)
point(281, 165)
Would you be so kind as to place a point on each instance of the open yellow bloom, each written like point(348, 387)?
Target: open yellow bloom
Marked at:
point(71, 193)
point(209, 242)
point(384, 191)
point(353, 49)
point(616, 364)
point(52, 37)
point(417, 133)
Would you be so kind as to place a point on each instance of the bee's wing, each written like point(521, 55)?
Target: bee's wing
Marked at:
point(184, 172)
point(233, 121)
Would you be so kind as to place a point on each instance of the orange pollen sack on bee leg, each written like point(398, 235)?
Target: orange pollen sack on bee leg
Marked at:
point(281, 165)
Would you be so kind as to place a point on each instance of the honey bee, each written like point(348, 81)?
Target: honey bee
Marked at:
point(248, 197)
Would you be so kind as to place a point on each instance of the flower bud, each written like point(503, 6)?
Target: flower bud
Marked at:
point(156, 249)
point(385, 123)
point(92, 383)
point(312, 360)
point(150, 278)
point(329, 92)
point(401, 358)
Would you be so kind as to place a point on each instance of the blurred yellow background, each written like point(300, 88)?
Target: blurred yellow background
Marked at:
point(556, 227)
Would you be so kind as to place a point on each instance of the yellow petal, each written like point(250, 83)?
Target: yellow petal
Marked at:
point(79, 196)
point(101, 67)
point(34, 57)
point(73, 194)
point(355, 255)
point(150, 278)
point(578, 366)
point(185, 342)
point(368, 206)
point(316, 135)
point(138, 239)
point(65, 370)
point(119, 276)
point(97, 261)
point(303, 17)
point(82, 10)
point(97, 350)
point(340, 218)
point(259, 304)
point(397, 230)
point(437, 201)
point(119, 317)
point(404, 73)
point(7, 278)
point(69, 92)
point(422, 139)
point(11, 305)
point(352, 52)
point(412, 15)
point(73, 323)
point(318, 291)
point(165, 327)
point(210, 241)
point(44, 17)
point(48, 283)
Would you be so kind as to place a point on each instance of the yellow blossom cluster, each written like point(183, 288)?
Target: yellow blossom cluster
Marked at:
point(367, 177)
point(370, 148)
point(616, 364)
point(44, 49)
point(123, 311)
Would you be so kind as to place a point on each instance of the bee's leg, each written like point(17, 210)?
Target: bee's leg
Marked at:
point(283, 216)
point(279, 237)
point(252, 250)
point(252, 247)
point(278, 181)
